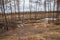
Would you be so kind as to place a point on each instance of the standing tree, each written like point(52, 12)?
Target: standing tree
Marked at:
point(4, 23)
point(58, 11)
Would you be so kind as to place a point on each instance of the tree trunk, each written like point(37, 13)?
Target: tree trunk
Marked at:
point(58, 12)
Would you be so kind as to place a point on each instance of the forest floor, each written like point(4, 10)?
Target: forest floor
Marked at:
point(33, 31)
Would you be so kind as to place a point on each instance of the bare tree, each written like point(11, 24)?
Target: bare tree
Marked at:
point(58, 11)
point(3, 14)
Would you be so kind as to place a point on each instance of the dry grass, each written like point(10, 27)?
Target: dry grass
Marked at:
point(28, 15)
point(34, 31)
